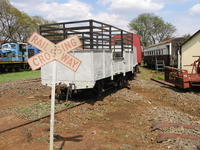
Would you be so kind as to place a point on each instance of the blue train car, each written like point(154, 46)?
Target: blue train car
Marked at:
point(13, 56)
point(32, 50)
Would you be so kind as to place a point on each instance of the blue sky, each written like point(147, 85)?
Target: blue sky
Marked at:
point(183, 14)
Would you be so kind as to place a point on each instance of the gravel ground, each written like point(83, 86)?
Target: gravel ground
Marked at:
point(155, 102)
point(185, 100)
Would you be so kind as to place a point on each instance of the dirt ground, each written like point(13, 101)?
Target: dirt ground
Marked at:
point(120, 119)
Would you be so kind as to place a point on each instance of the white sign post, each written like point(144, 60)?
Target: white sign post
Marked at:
point(52, 52)
point(52, 105)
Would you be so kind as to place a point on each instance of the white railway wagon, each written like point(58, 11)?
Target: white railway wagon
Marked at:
point(96, 65)
point(105, 61)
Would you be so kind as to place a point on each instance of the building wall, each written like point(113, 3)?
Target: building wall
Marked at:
point(189, 49)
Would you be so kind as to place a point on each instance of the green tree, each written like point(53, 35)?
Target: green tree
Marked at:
point(151, 28)
point(17, 26)
point(7, 19)
point(187, 35)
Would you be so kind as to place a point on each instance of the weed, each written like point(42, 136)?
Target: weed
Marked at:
point(125, 146)
point(70, 105)
point(108, 145)
point(93, 116)
point(39, 139)
point(123, 134)
point(106, 119)
point(116, 103)
point(137, 134)
point(38, 106)
point(99, 114)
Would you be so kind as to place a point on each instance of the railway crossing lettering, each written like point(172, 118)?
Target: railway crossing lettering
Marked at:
point(51, 51)
point(41, 43)
point(69, 44)
point(70, 61)
point(39, 60)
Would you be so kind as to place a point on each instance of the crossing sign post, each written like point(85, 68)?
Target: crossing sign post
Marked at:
point(52, 52)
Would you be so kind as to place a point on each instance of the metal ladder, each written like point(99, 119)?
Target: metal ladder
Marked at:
point(160, 65)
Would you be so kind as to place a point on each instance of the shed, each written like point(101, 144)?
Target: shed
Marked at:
point(189, 49)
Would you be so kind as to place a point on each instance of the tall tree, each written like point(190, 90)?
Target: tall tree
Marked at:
point(151, 28)
point(17, 26)
point(7, 19)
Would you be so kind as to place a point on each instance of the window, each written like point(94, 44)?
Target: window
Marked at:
point(13, 45)
point(5, 46)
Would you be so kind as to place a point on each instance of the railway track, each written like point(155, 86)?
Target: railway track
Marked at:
point(65, 109)
point(38, 119)
point(162, 82)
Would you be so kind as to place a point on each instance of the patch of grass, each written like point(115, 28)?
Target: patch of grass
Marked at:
point(158, 76)
point(123, 134)
point(137, 134)
point(70, 105)
point(39, 139)
point(38, 106)
point(100, 114)
point(26, 74)
point(116, 102)
point(147, 74)
point(36, 110)
point(27, 110)
point(106, 119)
point(108, 145)
point(93, 116)
point(125, 146)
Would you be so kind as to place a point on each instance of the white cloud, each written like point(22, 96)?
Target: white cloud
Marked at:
point(26, 6)
point(67, 11)
point(112, 19)
point(104, 2)
point(131, 6)
point(195, 9)
point(114, 12)
point(70, 10)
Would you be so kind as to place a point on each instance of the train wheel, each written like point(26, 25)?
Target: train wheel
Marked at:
point(13, 70)
point(6, 70)
point(99, 86)
point(121, 81)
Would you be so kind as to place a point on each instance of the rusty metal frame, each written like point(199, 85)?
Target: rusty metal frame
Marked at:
point(178, 77)
point(182, 78)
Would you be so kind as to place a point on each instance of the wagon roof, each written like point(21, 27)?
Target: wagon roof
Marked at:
point(164, 42)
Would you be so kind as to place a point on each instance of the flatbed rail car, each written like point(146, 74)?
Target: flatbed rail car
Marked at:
point(105, 61)
point(181, 78)
point(13, 56)
point(166, 51)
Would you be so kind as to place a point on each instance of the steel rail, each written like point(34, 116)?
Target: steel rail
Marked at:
point(165, 136)
point(158, 125)
point(26, 123)
point(162, 82)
